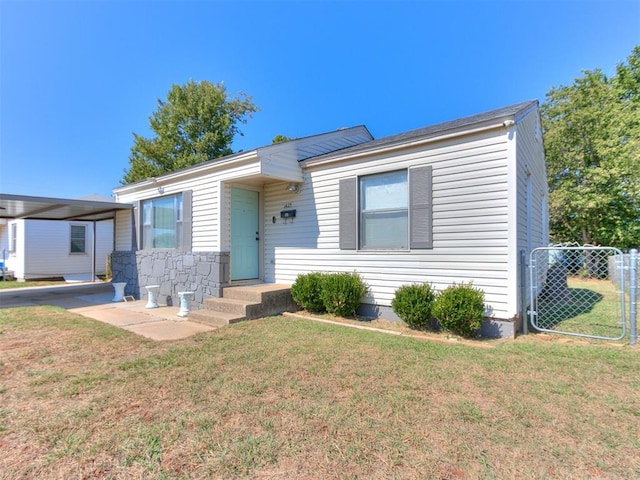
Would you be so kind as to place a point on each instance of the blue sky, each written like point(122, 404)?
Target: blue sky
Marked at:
point(77, 78)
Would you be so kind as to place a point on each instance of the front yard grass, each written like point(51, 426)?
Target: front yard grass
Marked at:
point(293, 399)
point(8, 284)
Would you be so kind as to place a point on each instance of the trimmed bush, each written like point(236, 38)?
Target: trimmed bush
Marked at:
point(341, 293)
point(413, 304)
point(307, 291)
point(460, 309)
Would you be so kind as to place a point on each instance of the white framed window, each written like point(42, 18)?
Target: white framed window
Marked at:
point(387, 211)
point(78, 243)
point(13, 237)
point(162, 222)
point(384, 211)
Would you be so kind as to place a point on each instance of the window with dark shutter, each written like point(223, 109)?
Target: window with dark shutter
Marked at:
point(383, 205)
point(387, 211)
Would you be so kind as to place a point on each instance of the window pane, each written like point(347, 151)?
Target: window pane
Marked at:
point(164, 223)
point(384, 230)
point(161, 221)
point(384, 191)
point(14, 237)
point(384, 211)
point(78, 235)
point(147, 236)
point(146, 213)
point(178, 208)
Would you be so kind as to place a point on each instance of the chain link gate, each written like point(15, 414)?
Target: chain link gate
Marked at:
point(578, 291)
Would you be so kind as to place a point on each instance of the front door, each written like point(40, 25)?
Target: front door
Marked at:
point(245, 234)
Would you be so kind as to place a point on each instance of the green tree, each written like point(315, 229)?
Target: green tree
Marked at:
point(197, 122)
point(280, 139)
point(591, 133)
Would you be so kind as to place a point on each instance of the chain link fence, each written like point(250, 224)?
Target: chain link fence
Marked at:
point(578, 291)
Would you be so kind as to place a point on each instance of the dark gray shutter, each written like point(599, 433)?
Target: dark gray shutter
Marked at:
point(136, 226)
point(186, 221)
point(348, 213)
point(420, 208)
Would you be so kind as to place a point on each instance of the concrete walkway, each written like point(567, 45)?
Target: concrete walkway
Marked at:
point(93, 300)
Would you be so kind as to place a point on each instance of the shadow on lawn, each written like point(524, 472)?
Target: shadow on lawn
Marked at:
point(552, 310)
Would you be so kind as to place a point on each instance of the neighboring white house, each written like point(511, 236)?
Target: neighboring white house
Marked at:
point(49, 248)
point(42, 246)
point(454, 202)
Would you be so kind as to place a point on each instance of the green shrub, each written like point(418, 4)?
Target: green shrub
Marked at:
point(307, 292)
point(341, 293)
point(460, 309)
point(413, 304)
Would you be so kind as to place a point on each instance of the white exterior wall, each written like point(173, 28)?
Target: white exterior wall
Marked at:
point(532, 194)
point(124, 230)
point(43, 249)
point(4, 240)
point(210, 184)
point(208, 207)
point(15, 259)
point(482, 184)
point(533, 228)
point(470, 223)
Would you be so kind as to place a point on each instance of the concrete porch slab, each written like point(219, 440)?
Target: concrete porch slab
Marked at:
point(94, 301)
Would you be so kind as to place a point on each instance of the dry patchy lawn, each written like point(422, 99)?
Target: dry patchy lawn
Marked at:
point(292, 399)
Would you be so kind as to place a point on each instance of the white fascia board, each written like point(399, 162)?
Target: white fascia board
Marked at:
point(195, 170)
point(526, 112)
point(494, 125)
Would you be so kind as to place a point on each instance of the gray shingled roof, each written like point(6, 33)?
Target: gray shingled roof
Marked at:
point(511, 111)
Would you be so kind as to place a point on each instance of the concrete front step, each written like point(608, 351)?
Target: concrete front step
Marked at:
point(231, 305)
point(215, 319)
point(246, 302)
point(255, 293)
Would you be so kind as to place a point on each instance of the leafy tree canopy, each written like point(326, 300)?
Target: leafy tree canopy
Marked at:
point(592, 143)
point(196, 123)
point(280, 139)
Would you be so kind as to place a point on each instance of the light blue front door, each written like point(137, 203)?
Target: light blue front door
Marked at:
point(245, 234)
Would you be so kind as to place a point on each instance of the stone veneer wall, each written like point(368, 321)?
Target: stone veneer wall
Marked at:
point(204, 273)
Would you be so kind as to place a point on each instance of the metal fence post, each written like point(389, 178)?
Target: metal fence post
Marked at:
point(633, 295)
point(524, 292)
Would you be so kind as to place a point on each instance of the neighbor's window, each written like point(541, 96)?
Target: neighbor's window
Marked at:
point(162, 222)
point(13, 241)
point(384, 206)
point(78, 239)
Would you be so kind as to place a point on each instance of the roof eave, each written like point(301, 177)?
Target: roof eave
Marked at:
point(417, 141)
point(477, 123)
point(198, 169)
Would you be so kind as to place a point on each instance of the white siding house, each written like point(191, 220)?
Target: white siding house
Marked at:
point(454, 202)
point(36, 249)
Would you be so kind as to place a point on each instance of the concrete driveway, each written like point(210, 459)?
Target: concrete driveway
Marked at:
point(93, 300)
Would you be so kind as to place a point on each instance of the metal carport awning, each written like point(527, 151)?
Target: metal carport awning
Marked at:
point(16, 207)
